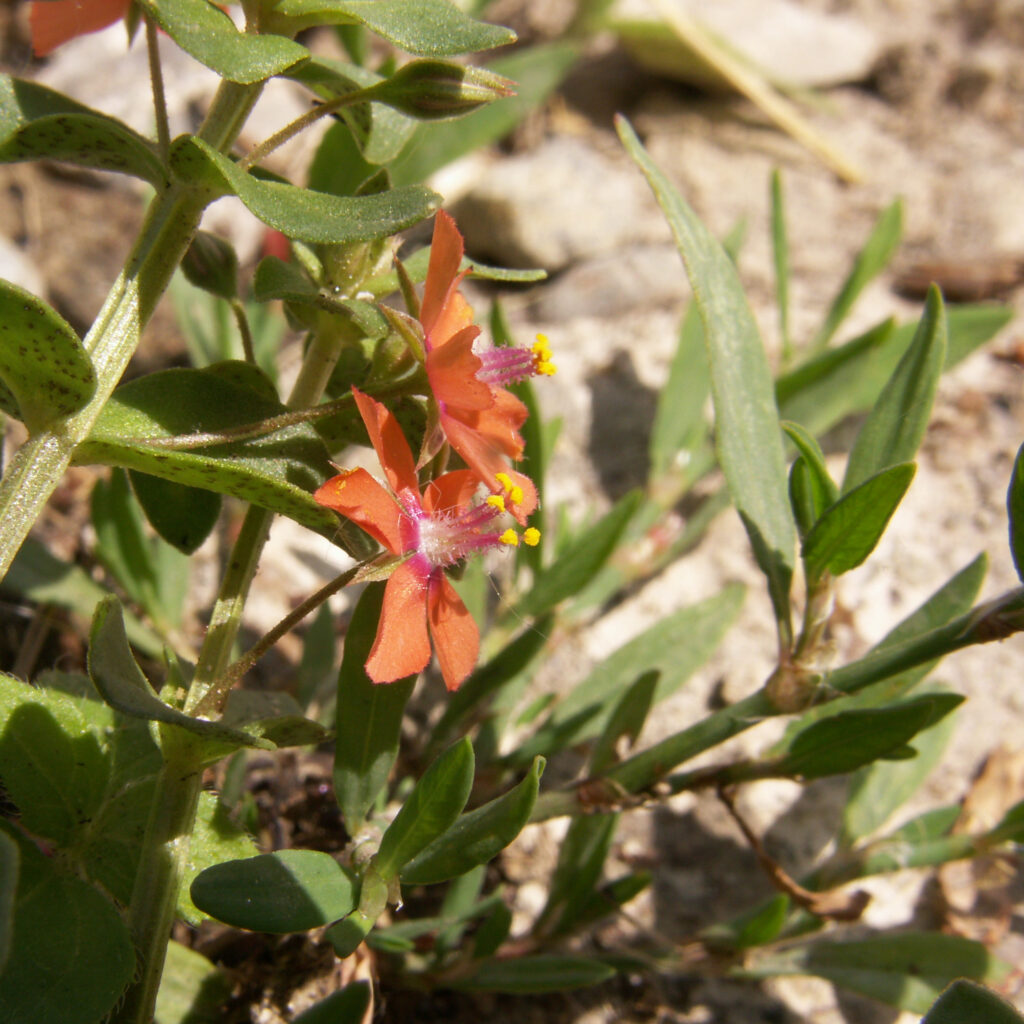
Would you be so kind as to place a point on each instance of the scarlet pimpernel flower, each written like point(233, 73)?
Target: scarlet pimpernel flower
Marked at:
point(436, 528)
point(478, 415)
point(54, 22)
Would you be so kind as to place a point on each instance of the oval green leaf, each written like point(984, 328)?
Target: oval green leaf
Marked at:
point(42, 360)
point(298, 212)
point(208, 34)
point(430, 811)
point(38, 123)
point(287, 891)
point(277, 470)
point(477, 837)
point(430, 28)
point(184, 516)
point(965, 1002)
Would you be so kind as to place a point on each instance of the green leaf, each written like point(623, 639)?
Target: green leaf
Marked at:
point(1015, 508)
point(780, 259)
point(907, 970)
point(430, 28)
point(871, 261)
point(478, 836)
point(368, 717)
point(514, 658)
point(277, 470)
point(536, 70)
point(430, 810)
point(748, 438)
point(845, 742)
point(964, 1002)
point(847, 532)
point(40, 123)
point(533, 975)
point(376, 132)
point(71, 954)
point(39, 576)
point(122, 685)
point(815, 459)
point(849, 379)
point(275, 716)
point(42, 362)
point(287, 891)
point(300, 213)
point(624, 723)
point(209, 35)
point(675, 646)
point(679, 416)
point(10, 868)
point(877, 791)
point(580, 561)
point(183, 516)
point(346, 1006)
point(581, 857)
point(895, 426)
point(192, 990)
point(811, 489)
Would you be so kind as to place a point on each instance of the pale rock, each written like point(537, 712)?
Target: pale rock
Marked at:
point(558, 204)
point(16, 267)
point(788, 42)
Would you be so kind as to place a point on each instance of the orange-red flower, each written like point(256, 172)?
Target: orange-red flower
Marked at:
point(479, 417)
point(54, 22)
point(436, 528)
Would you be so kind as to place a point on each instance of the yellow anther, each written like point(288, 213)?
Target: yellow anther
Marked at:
point(496, 501)
point(515, 495)
point(542, 356)
point(531, 536)
point(505, 480)
point(511, 538)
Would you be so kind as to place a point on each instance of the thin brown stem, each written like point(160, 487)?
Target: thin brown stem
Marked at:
point(242, 322)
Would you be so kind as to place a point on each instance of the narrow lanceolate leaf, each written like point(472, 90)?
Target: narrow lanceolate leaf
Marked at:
point(208, 34)
point(430, 28)
point(907, 970)
point(871, 261)
point(847, 532)
point(895, 426)
point(580, 561)
point(122, 685)
point(278, 470)
point(965, 1002)
point(1015, 507)
point(368, 717)
point(811, 489)
point(478, 836)
point(299, 213)
point(854, 738)
point(746, 420)
point(42, 362)
point(36, 123)
point(530, 975)
point(288, 891)
point(430, 810)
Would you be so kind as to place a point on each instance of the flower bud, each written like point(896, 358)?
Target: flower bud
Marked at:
point(433, 89)
point(211, 264)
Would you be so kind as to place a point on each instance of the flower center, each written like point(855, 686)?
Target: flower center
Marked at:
point(511, 363)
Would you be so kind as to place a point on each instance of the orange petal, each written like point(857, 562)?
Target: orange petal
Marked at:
point(451, 370)
point(389, 443)
point(357, 496)
point(56, 21)
point(402, 645)
point(446, 250)
point(456, 637)
point(450, 491)
point(455, 316)
point(521, 510)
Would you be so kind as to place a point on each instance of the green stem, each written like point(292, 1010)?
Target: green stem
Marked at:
point(163, 133)
point(170, 223)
